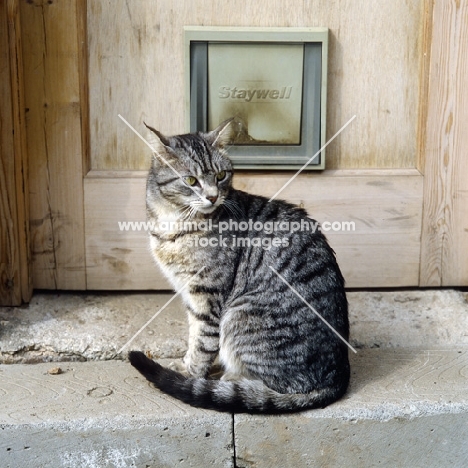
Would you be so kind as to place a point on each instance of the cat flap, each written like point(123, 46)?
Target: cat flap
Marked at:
point(272, 80)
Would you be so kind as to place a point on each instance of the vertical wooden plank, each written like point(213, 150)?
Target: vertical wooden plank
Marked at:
point(52, 51)
point(82, 32)
point(10, 291)
point(15, 284)
point(444, 250)
point(455, 249)
point(425, 62)
point(21, 155)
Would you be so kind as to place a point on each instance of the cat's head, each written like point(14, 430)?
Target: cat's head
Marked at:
point(191, 172)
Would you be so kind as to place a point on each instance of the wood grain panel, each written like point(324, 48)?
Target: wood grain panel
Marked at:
point(382, 251)
point(444, 250)
point(15, 285)
point(425, 62)
point(118, 259)
point(136, 69)
point(54, 133)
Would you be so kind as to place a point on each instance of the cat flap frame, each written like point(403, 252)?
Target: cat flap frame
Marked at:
point(312, 76)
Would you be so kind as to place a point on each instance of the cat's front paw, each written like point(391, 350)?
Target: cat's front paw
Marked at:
point(230, 377)
point(178, 366)
point(196, 369)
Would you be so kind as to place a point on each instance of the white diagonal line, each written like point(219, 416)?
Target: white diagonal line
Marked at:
point(313, 310)
point(312, 158)
point(159, 311)
point(147, 143)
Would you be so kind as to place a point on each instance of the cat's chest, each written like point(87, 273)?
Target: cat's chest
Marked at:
point(174, 251)
point(178, 258)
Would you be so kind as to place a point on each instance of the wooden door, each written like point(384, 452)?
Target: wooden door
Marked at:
point(397, 172)
point(373, 178)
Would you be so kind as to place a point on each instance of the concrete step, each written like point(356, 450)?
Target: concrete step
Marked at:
point(407, 405)
point(102, 414)
point(74, 327)
point(405, 408)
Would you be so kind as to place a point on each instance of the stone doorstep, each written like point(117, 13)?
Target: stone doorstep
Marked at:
point(84, 326)
point(405, 407)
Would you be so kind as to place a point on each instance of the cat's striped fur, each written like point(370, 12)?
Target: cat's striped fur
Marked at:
point(277, 355)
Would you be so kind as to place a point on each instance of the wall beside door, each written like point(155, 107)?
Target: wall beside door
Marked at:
point(397, 171)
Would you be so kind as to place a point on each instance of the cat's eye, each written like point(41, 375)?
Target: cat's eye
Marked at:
point(191, 180)
point(221, 175)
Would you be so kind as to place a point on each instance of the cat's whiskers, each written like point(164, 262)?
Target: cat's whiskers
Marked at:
point(181, 213)
point(193, 211)
point(181, 210)
point(199, 206)
point(232, 207)
point(196, 204)
point(184, 212)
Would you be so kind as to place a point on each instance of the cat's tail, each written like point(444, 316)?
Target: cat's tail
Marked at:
point(241, 396)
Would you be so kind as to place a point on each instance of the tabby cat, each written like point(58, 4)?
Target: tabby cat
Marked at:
point(276, 353)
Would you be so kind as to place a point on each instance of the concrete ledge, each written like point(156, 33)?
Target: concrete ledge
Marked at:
point(405, 408)
point(74, 326)
point(426, 442)
point(407, 405)
point(102, 414)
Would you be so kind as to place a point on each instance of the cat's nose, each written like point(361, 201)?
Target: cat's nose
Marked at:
point(212, 199)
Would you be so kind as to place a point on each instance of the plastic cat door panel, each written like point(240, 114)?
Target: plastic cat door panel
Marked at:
point(272, 81)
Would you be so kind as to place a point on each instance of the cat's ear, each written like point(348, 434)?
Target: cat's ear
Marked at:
point(222, 134)
point(157, 140)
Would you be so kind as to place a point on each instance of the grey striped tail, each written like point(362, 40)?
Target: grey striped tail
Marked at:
point(243, 396)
